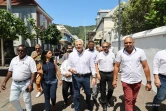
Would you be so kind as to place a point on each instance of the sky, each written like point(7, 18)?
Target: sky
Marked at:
point(75, 12)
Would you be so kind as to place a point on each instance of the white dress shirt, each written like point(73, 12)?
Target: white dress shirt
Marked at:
point(64, 70)
point(131, 65)
point(82, 63)
point(94, 53)
point(159, 63)
point(105, 61)
point(22, 69)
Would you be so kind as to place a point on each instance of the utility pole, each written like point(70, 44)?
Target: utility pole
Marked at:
point(119, 42)
point(85, 33)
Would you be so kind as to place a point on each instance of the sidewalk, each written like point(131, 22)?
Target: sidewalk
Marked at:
point(144, 98)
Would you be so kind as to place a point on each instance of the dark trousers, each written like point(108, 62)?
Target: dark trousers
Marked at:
point(49, 90)
point(65, 87)
point(77, 83)
point(161, 93)
point(106, 78)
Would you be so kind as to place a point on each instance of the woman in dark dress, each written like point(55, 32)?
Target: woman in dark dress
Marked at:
point(49, 80)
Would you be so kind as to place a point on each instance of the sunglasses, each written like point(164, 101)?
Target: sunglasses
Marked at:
point(37, 48)
point(20, 50)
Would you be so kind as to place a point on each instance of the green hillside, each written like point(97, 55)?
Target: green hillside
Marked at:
point(79, 31)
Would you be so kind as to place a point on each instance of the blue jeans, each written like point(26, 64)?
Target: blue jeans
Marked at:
point(77, 83)
point(49, 90)
point(161, 93)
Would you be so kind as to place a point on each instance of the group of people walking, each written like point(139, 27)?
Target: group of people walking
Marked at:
point(80, 67)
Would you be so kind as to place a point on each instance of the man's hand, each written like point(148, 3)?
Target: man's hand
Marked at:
point(93, 81)
point(29, 88)
point(148, 87)
point(72, 71)
point(157, 82)
point(67, 75)
point(60, 82)
point(3, 86)
point(38, 53)
point(98, 76)
point(114, 83)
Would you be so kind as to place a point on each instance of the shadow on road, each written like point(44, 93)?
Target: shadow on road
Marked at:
point(38, 107)
point(121, 105)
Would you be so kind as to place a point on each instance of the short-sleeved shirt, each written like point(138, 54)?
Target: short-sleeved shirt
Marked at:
point(22, 69)
point(131, 65)
point(105, 61)
point(159, 63)
point(34, 53)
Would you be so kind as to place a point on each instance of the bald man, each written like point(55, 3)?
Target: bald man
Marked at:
point(132, 60)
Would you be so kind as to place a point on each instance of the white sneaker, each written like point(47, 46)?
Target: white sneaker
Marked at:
point(38, 94)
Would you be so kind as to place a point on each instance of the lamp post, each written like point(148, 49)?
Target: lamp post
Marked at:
point(119, 28)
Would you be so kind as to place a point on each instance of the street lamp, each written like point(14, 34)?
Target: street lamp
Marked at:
point(119, 27)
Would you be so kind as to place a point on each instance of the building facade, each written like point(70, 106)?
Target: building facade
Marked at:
point(26, 9)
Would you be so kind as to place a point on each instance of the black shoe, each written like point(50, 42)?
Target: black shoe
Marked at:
point(104, 107)
point(94, 99)
point(89, 107)
point(110, 103)
point(72, 105)
point(99, 99)
point(64, 106)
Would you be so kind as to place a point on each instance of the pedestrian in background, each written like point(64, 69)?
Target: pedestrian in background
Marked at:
point(131, 59)
point(36, 55)
point(104, 67)
point(23, 70)
point(81, 64)
point(67, 79)
point(94, 55)
point(69, 50)
point(159, 71)
point(49, 80)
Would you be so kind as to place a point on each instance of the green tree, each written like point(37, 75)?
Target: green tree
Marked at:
point(132, 16)
point(157, 14)
point(11, 28)
point(52, 35)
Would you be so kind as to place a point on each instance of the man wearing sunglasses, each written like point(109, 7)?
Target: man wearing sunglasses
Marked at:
point(104, 67)
point(36, 55)
point(22, 69)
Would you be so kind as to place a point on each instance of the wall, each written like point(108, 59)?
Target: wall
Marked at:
point(151, 41)
point(24, 12)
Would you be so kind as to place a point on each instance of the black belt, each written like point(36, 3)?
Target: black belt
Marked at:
point(82, 75)
point(106, 72)
point(21, 81)
point(162, 75)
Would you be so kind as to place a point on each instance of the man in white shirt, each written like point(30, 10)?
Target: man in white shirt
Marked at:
point(81, 64)
point(23, 70)
point(104, 68)
point(159, 71)
point(132, 60)
point(94, 54)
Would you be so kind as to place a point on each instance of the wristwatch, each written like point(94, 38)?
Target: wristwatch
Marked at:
point(149, 82)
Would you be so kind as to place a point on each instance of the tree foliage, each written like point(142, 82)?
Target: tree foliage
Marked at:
point(51, 35)
point(12, 27)
point(140, 15)
point(156, 17)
